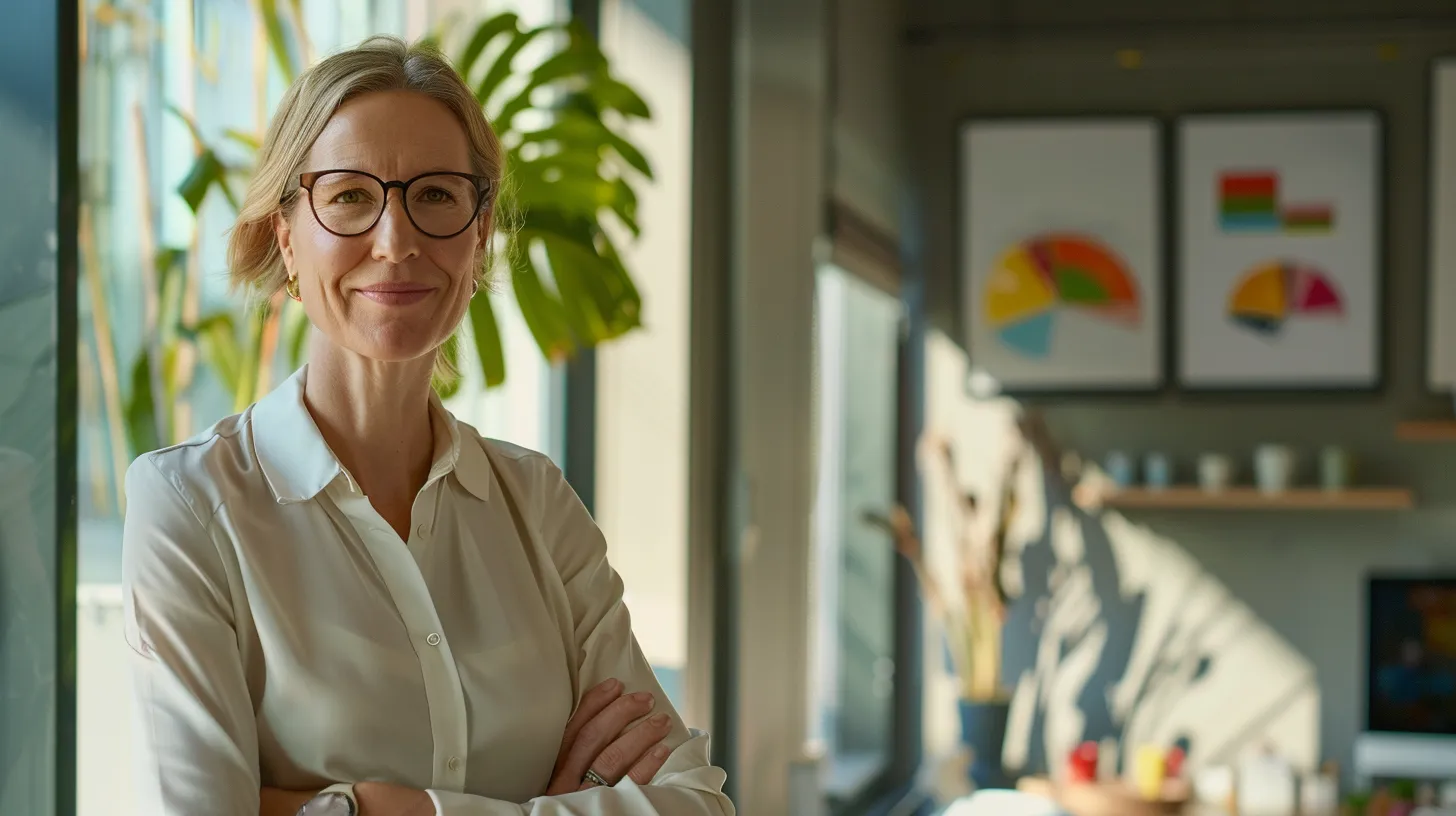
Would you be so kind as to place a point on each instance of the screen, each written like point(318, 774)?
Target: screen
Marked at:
point(1412, 683)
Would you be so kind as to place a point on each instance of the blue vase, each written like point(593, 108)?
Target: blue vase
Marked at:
point(983, 730)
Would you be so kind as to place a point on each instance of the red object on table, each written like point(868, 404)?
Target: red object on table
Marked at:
point(1173, 762)
point(1082, 763)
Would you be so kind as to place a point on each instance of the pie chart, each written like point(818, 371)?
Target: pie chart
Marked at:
point(1037, 278)
point(1275, 292)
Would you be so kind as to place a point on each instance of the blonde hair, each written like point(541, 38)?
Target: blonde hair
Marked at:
point(380, 63)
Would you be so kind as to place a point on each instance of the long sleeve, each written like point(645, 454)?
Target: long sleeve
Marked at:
point(196, 737)
point(688, 784)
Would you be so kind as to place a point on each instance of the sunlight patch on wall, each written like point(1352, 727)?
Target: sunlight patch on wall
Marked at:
point(1114, 630)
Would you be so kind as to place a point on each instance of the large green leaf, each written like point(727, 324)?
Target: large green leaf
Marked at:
point(217, 341)
point(541, 310)
point(207, 170)
point(501, 69)
point(613, 94)
point(278, 40)
point(573, 269)
point(577, 64)
point(574, 130)
point(247, 140)
point(484, 34)
point(487, 340)
point(141, 408)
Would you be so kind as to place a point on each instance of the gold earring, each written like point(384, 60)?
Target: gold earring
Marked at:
point(291, 287)
point(475, 287)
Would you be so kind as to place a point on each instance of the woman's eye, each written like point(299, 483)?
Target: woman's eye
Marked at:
point(349, 197)
point(434, 195)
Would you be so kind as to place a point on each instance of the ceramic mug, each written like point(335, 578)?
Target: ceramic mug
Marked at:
point(1335, 468)
point(1119, 469)
point(1157, 470)
point(1215, 471)
point(1274, 468)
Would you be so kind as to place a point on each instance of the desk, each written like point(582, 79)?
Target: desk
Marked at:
point(1114, 798)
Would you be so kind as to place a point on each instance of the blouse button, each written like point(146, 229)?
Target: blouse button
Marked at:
point(422, 531)
point(453, 764)
point(433, 639)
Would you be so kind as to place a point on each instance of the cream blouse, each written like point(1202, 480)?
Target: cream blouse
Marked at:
point(285, 636)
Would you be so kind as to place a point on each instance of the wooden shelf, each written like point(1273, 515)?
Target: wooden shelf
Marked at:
point(1427, 430)
point(1248, 498)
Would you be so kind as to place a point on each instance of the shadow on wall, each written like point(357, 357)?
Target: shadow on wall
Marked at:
point(1113, 630)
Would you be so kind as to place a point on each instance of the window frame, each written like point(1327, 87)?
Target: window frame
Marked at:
point(874, 258)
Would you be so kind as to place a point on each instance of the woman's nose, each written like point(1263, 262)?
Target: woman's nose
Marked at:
point(395, 238)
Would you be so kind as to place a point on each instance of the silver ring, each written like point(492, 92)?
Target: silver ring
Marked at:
point(595, 778)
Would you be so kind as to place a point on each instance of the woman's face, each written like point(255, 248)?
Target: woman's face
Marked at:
point(391, 293)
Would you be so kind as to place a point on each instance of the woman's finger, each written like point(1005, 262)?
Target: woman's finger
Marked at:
point(600, 731)
point(646, 767)
point(614, 761)
point(592, 703)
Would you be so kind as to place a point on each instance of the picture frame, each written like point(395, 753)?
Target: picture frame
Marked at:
point(1279, 278)
point(1441, 210)
point(1063, 253)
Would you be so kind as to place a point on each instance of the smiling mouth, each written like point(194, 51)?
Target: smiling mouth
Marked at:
point(396, 294)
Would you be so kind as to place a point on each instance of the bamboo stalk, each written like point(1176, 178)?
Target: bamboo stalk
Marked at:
point(186, 361)
point(146, 237)
point(151, 292)
point(91, 406)
point(105, 352)
point(260, 72)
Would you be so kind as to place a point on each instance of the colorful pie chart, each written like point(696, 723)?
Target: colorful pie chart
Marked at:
point(1037, 278)
point(1275, 292)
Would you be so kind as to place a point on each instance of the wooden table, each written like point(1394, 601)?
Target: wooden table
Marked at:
point(1110, 798)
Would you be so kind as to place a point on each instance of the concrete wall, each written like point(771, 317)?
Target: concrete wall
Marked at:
point(1300, 575)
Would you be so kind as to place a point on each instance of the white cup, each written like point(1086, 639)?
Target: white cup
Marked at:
point(1215, 471)
point(1274, 468)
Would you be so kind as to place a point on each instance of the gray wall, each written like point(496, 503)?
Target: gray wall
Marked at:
point(1303, 573)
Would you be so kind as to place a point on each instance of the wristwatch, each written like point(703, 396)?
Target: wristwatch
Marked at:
point(335, 800)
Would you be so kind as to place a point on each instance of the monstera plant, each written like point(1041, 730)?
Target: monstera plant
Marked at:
point(568, 198)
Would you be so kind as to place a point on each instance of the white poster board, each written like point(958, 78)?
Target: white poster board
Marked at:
point(1441, 333)
point(1279, 281)
point(1062, 253)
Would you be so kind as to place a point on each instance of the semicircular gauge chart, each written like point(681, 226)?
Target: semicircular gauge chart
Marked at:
point(1038, 278)
point(1275, 292)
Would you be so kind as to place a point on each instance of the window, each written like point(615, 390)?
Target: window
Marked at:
point(207, 58)
point(854, 671)
point(642, 379)
point(34, 414)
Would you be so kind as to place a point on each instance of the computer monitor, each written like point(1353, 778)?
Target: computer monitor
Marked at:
point(1410, 703)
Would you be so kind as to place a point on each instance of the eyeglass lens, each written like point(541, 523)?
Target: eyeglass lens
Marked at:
point(349, 203)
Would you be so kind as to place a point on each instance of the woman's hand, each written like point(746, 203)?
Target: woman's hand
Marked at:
point(384, 799)
point(595, 740)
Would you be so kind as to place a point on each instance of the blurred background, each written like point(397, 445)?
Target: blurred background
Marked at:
point(1011, 394)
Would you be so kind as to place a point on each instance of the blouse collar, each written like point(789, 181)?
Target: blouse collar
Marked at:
point(298, 464)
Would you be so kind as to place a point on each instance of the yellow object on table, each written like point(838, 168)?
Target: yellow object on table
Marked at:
point(1149, 771)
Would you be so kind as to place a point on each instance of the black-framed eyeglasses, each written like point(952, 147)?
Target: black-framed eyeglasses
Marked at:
point(350, 202)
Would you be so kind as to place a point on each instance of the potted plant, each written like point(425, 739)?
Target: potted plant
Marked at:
point(970, 602)
point(569, 200)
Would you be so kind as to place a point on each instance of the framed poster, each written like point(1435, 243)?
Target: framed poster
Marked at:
point(1279, 281)
point(1441, 331)
point(1062, 253)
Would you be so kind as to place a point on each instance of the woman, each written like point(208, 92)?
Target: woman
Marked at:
point(344, 600)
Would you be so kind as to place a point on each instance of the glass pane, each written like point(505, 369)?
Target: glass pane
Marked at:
point(858, 330)
point(642, 379)
point(29, 431)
